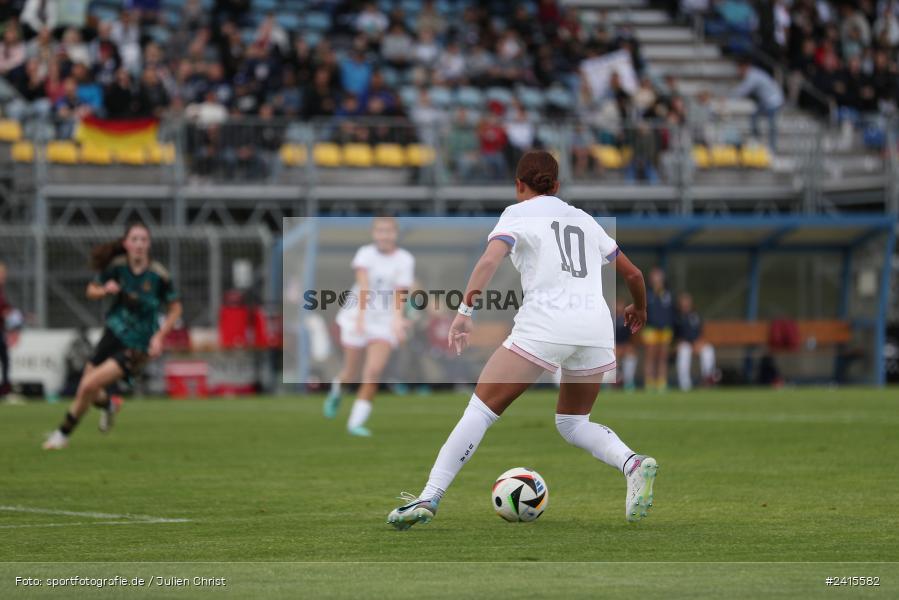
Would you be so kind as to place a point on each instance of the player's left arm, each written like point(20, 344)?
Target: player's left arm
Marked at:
point(483, 272)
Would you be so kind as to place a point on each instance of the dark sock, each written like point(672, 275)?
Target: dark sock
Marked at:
point(68, 424)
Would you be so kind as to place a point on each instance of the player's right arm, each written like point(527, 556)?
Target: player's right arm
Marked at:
point(634, 314)
point(98, 291)
point(483, 272)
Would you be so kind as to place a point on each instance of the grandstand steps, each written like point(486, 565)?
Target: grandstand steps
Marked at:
point(668, 52)
point(648, 34)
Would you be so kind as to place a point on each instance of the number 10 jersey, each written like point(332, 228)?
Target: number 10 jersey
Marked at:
point(559, 251)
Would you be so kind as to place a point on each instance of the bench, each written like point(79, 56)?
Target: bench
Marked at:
point(812, 333)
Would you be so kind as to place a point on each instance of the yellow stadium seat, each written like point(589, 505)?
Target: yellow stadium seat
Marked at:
point(161, 154)
point(293, 155)
point(419, 155)
point(390, 155)
point(755, 157)
point(701, 157)
point(10, 131)
point(358, 155)
point(131, 155)
point(725, 156)
point(62, 152)
point(608, 156)
point(327, 154)
point(96, 155)
point(23, 152)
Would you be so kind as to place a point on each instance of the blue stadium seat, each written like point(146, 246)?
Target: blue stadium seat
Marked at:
point(289, 21)
point(264, 6)
point(440, 96)
point(408, 95)
point(470, 97)
point(499, 94)
point(560, 97)
point(531, 98)
point(317, 21)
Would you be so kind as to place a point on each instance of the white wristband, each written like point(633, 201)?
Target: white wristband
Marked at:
point(465, 310)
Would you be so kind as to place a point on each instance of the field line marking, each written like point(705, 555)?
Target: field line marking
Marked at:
point(92, 515)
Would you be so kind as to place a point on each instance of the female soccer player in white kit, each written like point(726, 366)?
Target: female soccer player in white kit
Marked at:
point(563, 323)
point(372, 323)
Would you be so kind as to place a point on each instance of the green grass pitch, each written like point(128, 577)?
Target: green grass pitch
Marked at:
point(760, 492)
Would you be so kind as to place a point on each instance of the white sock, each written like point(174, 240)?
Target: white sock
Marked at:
point(707, 360)
point(335, 386)
point(629, 369)
point(598, 440)
point(359, 413)
point(684, 358)
point(459, 447)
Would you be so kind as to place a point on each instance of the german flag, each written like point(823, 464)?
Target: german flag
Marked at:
point(117, 134)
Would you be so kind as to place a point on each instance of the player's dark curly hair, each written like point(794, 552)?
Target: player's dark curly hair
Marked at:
point(538, 170)
point(102, 254)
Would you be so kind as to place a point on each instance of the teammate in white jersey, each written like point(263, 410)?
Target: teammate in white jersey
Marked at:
point(371, 320)
point(563, 323)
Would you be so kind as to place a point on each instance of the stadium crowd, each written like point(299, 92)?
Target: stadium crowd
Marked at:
point(848, 50)
point(450, 65)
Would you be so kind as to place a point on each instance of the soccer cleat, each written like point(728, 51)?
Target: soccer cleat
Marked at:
point(639, 488)
point(360, 431)
point(416, 511)
point(331, 405)
point(107, 416)
point(56, 441)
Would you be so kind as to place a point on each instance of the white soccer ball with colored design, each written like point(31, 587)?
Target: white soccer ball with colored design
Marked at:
point(520, 494)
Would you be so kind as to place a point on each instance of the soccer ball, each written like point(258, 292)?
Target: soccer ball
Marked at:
point(520, 494)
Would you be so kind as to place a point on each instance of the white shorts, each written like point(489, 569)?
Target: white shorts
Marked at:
point(579, 361)
point(373, 331)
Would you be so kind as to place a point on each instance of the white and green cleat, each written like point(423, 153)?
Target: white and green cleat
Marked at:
point(416, 510)
point(639, 488)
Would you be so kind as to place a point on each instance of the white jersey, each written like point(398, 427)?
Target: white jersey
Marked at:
point(558, 250)
point(386, 274)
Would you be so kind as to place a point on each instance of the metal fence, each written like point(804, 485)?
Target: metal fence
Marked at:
point(48, 269)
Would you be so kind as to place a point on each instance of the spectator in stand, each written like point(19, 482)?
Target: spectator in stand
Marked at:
point(688, 336)
point(12, 52)
point(42, 46)
point(153, 98)
point(355, 72)
point(427, 118)
point(429, 18)
point(520, 131)
point(768, 96)
point(450, 67)
point(371, 23)
point(493, 141)
point(426, 49)
point(121, 99)
point(89, 93)
point(397, 46)
point(125, 33)
point(462, 147)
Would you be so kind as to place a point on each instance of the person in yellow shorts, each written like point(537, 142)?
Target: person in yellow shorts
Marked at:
point(659, 331)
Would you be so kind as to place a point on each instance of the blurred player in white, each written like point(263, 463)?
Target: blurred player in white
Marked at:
point(563, 323)
point(371, 320)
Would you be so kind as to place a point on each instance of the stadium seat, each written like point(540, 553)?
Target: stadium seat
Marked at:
point(62, 152)
point(725, 156)
point(609, 157)
point(531, 98)
point(293, 155)
point(161, 154)
point(469, 97)
point(288, 20)
point(131, 155)
point(440, 96)
point(10, 131)
point(327, 154)
point(390, 155)
point(317, 21)
point(499, 94)
point(419, 155)
point(92, 154)
point(358, 155)
point(701, 157)
point(755, 157)
point(23, 152)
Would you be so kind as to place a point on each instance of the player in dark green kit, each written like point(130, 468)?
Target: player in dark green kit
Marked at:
point(141, 288)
